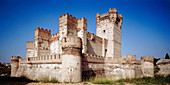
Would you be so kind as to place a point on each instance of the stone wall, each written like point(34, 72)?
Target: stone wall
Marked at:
point(92, 66)
point(55, 44)
point(147, 65)
point(30, 49)
point(37, 68)
point(96, 45)
point(164, 67)
point(83, 65)
point(116, 68)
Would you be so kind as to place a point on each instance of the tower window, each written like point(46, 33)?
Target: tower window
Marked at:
point(104, 31)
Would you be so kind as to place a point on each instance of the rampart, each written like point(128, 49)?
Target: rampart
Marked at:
point(116, 68)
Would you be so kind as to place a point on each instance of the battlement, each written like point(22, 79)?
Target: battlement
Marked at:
point(55, 35)
point(15, 57)
point(82, 20)
point(131, 57)
point(147, 59)
point(67, 16)
point(30, 44)
point(93, 58)
point(74, 42)
point(109, 15)
point(92, 36)
point(112, 10)
point(43, 30)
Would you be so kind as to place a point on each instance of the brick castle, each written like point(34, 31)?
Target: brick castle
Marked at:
point(73, 54)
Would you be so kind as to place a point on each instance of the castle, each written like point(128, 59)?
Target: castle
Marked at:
point(73, 54)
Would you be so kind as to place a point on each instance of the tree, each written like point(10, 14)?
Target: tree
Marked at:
point(167, 56)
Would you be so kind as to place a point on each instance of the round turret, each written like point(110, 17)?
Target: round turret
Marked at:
point(71, 59)
point(14, 65)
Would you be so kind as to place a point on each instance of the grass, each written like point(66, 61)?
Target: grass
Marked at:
point(85, 83)
point(102, 81)
point(54, 80)
point(147, 80)
point(47, 80)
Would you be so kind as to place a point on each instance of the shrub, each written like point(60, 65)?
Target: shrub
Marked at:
point(47, 80)
point(5, 71)
point(54, 80)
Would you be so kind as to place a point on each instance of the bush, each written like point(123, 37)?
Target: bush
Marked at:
point(54, 80)
point(5, 71)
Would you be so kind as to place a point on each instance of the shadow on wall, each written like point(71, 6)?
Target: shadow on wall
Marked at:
point(90, 48)
point(87, 73)
point(92, 66)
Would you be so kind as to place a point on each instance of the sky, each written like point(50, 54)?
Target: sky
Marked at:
point(145, 28)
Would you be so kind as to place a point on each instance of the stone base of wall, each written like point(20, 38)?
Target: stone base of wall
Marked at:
point(39, 71)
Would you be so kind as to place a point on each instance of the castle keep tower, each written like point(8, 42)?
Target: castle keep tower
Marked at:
point(71, 59)
point(70, 26)
point(109, 27)
point(42, 46)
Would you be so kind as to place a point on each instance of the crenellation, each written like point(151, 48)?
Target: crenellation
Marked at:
point(147, 59)
point(112, 10)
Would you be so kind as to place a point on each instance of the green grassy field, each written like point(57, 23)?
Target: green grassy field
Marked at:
point(145, 80)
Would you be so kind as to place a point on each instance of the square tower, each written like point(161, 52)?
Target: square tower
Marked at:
point(109, 27)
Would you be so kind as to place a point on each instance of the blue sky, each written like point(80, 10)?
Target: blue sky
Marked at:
point(145, 28)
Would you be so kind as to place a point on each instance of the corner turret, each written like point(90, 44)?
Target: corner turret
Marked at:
point(71, 59)
point(14, 65)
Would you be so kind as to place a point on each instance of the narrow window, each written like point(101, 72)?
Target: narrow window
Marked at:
point(104, 31)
